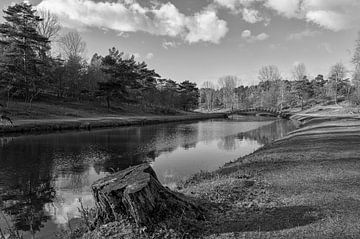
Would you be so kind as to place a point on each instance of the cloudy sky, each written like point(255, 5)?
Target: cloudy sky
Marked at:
point(200, 40)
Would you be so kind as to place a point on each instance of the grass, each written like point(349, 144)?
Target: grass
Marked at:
point(306, 186)
point(53, 108)
point(313, 178)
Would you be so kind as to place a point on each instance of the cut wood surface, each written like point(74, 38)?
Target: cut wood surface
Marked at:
point(137, 194)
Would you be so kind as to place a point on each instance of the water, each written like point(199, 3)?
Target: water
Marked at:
point(42, 177)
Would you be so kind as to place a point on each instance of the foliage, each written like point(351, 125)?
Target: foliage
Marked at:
point(127, 78)
point(189, 95)
point(24, 58)
point(28, 70)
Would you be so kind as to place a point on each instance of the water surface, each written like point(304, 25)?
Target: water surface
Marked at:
point(43, 177)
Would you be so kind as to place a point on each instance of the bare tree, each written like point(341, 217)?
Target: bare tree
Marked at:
point(299, 72)
point(356, 74)
point(282, 93)
point(337, 74)
point(228, 85)
point(50, 26)
point(269, 73)
point(209, 91)
point(356, 83)
point(269, 77)
point(72, 44)
point(356, 57)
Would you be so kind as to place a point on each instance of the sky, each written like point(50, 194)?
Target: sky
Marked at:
point(203, 40)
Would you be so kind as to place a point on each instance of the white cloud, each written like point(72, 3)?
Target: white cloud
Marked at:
point(330, 14)
point(169, 44)
point(334, 15)
point(120, 34)
point(262, 37)
point(251, 15)
point(247, 35)
point(206, 26)
point(303, 34)
point(235, 4)
point(129, 16)
point(330, 20)
point(288, 8)
point(245, 7)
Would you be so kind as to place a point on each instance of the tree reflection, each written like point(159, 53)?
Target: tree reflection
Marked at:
point(26, 185)
point(268, 133)
point(25, 204)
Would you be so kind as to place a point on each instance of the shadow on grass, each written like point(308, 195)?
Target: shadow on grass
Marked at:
point(268, 220)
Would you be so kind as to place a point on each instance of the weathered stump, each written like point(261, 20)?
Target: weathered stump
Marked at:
point(136, 193)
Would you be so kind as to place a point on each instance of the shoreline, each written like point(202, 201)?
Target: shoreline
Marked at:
point(304, 185)
point(54, 125)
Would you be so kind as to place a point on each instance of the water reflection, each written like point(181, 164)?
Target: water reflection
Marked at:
point(42, 177)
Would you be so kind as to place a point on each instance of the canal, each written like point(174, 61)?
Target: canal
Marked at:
point(42, 177)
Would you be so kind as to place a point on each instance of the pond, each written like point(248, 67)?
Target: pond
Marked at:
point(42, 177)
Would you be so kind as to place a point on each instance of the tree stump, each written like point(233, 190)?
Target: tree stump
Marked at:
point(136, 193)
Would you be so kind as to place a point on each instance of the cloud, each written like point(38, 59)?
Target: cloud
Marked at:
point(121, 34)
point(206, 26)
point(334, 15)
point(247, 35)
point(329, 14)
point(303, 34)
point(330, 20)
point(244, 7)
point(288, 8)
point(126, 16)
point(169, 44)
point(251, 15)
point(236, 4)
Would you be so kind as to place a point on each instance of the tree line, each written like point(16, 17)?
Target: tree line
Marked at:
point(30, 69)
point(275, 91)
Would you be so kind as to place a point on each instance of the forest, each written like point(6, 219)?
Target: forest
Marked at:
point(39, 62)
point(297, 90)
point(278, 92)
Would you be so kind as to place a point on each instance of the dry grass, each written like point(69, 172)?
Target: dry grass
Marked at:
point(313, 176)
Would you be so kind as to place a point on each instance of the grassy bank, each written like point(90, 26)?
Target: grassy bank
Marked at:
point(47, 117)
point(305, 185)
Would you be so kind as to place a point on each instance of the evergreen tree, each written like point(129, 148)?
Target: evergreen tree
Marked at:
point(189, 95)
point(24, 57)
point(126, 78)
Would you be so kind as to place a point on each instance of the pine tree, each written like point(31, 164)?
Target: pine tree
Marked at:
point(25, 52)
point(127, 79)
point(189, 95)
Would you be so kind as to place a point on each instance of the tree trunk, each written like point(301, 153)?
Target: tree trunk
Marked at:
point(136, 193)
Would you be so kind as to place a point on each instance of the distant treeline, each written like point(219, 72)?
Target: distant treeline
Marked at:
point(276, 92)
point(29, 69)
